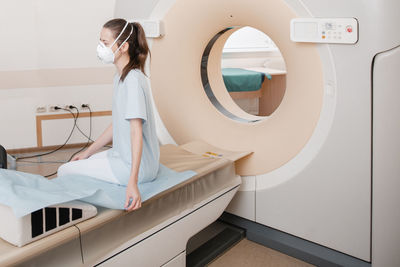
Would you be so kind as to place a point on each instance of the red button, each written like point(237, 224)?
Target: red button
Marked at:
point(349, 29)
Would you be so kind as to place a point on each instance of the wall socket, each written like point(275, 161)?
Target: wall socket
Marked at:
point(51, 107)
point(41, 109)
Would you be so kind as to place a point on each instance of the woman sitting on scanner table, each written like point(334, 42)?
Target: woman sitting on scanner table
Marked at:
point(135, 155)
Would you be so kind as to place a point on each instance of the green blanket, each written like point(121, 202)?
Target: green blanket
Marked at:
point(241, 80)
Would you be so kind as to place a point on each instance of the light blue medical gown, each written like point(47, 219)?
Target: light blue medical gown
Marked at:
point(131, 99)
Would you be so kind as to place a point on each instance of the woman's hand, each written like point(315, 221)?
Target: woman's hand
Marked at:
point(132, 192)
point(81, 155)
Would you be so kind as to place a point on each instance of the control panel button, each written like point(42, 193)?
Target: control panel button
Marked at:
point(330, 26)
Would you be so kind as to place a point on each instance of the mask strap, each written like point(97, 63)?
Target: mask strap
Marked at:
point(116, 39)
point(125, 39)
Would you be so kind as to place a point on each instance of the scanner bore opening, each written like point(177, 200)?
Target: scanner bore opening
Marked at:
point(267, 98)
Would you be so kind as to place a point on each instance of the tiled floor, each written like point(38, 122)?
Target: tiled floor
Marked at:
point(249, 254)
point(244, 254)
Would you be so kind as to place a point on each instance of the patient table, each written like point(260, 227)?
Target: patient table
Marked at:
point(154, 235)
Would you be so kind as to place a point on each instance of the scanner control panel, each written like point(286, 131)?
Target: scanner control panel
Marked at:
point(324, 30)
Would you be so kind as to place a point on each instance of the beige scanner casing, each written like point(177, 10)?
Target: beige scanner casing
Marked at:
point(274, 140)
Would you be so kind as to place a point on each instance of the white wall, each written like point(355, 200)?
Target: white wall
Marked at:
point(49, 35)
point(135, 9)
point(41, 34)
point(249, 47)
point(249, 39)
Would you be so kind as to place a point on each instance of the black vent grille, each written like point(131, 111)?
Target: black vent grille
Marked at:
point(3, 158)
point(47, 218)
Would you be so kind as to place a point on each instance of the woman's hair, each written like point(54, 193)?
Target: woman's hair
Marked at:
point(138, 48)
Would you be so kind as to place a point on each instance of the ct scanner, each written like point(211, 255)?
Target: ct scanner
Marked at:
point(321, 182)
point(324, 163)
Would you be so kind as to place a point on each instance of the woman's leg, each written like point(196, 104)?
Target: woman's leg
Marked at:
point(96, 166)
point(99, 155)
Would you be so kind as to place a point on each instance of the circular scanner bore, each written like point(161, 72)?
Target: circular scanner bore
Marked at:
point(188, 113)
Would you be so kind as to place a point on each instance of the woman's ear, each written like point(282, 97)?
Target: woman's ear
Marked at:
point(125, 47)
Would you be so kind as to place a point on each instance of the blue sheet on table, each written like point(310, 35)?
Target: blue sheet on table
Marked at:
point(242, 80)
point(26, 192)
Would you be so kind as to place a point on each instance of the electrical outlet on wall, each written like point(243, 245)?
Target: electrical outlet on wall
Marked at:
point(85, 103)
point(77, 105)
point(52, 107)
point(41, 109)
point(66, 106)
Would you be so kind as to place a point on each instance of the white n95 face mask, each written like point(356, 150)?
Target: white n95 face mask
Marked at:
point(105, 54)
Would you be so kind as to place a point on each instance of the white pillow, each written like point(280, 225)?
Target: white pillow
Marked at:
point(43, 222)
